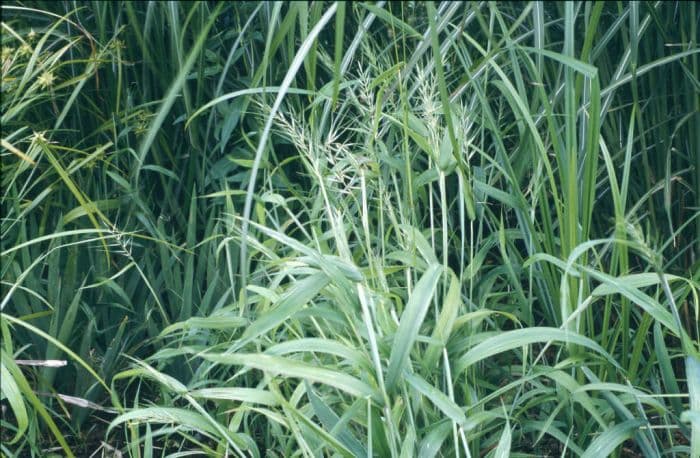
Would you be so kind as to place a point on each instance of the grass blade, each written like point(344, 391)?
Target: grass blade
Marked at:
point(606, 443)
point(510, 340)
point(411, 320)
point(291, 368)
point(294, 66)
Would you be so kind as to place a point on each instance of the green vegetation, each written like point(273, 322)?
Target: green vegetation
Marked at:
point(350, 229)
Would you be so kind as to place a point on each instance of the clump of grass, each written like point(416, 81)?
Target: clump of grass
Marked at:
point(356, 230)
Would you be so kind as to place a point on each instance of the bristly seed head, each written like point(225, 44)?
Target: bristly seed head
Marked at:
point(46, 80)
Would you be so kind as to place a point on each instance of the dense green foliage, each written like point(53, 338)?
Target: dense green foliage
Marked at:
point(350, 229)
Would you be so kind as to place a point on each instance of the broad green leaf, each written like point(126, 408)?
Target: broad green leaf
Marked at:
point(248, 91)
point(91, 207)
point(632, 281)
point(12, 393)
point(668, 376)
point(292, 301)
point(408, 444)
point(445, 322)
point(215, 321)
point(23, 385)
point(504, 443)
point(417, 240)
point(437, 397)
point(291, 368)
point(410, 323)
point(393, 21)
point(331, 421)
point(511, 340)
point(616, 387)
point(169, 415)
point(585, 69)
point(644, 301)
point(317, 345)
point(252, 395)
point(608, 441)
point(432, 442)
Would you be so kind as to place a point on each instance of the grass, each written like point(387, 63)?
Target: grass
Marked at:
point(329, 229)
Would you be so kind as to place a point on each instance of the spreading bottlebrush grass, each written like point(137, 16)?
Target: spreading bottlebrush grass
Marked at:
point(350, 229)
